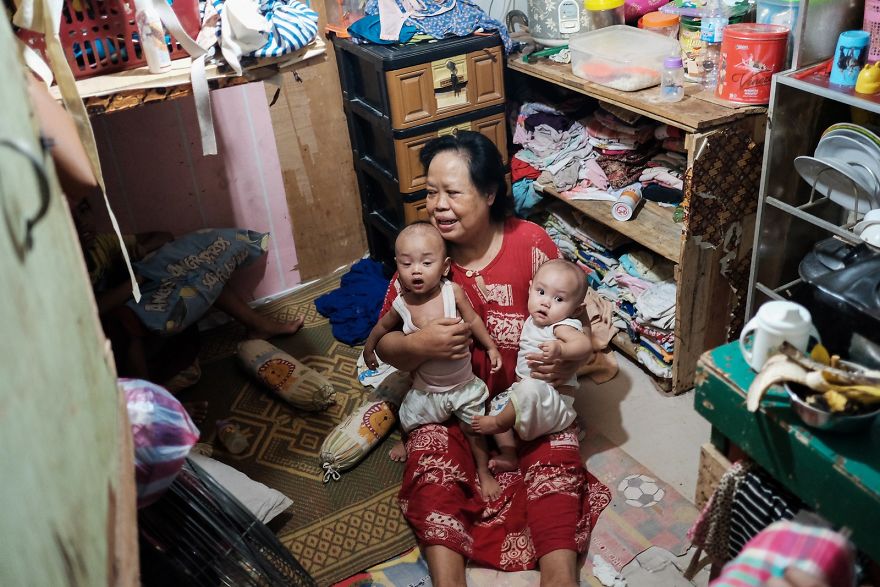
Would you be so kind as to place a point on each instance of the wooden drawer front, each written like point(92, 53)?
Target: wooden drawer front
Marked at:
point(412, 96)
point(415, 212)
point(487, 77)
point(411, 175)
point(424, 93)
point(494, 129)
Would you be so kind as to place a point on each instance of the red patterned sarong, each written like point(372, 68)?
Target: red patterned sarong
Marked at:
point(553, 505)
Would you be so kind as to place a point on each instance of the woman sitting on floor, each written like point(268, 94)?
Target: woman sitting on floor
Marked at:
point(546, 509)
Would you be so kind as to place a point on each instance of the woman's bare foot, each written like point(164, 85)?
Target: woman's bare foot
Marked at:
point(505, 462)
point(198, 411)
point(489, 488)
point(398, 452)
point(264, 328)
point(487, 425)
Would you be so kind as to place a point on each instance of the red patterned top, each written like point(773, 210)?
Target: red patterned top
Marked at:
point(499, 293)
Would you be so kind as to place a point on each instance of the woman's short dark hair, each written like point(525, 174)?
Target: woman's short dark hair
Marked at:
point(484, 164)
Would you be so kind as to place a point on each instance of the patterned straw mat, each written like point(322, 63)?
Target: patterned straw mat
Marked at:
point(336, 529)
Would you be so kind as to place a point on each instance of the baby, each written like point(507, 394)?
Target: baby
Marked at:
point(529, 406)
point(441, 387)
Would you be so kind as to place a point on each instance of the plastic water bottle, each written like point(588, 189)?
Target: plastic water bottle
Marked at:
point(712, 25)
point(672, 80)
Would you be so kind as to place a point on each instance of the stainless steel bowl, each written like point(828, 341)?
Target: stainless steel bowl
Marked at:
point(822, 420)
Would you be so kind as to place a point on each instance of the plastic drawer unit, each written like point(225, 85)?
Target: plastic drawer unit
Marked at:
point(397, 98)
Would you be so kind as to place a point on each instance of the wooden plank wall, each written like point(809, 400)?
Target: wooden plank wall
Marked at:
point(316, 164)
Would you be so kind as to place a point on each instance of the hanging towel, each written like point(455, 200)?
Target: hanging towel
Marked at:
point(353, 308)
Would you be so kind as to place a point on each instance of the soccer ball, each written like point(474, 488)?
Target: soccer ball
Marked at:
point(641, 491)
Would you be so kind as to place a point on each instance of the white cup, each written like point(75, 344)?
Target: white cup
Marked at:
point(775, 323)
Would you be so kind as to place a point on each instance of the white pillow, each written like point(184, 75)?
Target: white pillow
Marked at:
point(262, 501)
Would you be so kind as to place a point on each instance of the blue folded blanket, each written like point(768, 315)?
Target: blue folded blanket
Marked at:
point(353, 308)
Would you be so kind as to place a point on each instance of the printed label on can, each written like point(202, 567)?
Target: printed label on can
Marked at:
point(747, 68)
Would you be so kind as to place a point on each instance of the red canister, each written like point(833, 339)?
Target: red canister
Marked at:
point(750, 55)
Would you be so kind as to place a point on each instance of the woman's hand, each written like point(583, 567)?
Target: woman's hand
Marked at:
point(556, 372)
point(446, 338)
point(442, 338)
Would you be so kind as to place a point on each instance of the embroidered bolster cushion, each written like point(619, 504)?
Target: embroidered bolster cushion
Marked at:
point(302, 387)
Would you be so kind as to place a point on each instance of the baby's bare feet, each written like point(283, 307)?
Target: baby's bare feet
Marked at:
point(506, 462)
point(486, 425)
point(398, 452)
point(489, 488)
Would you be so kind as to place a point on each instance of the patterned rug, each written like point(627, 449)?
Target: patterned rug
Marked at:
point(334, 530)
point(644, 511)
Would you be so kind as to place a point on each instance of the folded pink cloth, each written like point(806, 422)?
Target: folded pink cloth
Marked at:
point(818, 551)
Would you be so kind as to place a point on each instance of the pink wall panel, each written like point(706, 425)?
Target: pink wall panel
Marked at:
point(157, 178)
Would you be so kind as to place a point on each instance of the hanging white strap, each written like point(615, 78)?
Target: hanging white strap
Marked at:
point(198, 77)
point(74, 104)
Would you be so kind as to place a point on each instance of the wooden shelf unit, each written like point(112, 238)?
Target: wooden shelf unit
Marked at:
point(711, 247)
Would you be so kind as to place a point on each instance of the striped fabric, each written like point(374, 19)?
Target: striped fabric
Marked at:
point(758, 502)
point(293, 26)
point(817, 551)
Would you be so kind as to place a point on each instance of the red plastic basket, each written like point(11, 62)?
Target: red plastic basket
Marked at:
point(872, 25)
point(100, 36)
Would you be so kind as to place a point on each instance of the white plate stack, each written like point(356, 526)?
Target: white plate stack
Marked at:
point(845, 167)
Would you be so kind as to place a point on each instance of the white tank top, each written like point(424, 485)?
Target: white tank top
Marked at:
point(437, 375)
point(531, 338)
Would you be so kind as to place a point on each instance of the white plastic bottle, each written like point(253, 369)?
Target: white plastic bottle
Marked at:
point(151, 34)
point(712, 25)
point(672, 80)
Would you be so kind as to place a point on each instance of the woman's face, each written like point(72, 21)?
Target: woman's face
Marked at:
point(455, 206)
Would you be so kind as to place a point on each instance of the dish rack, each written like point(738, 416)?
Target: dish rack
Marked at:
point(792, 216)
point(100, 36)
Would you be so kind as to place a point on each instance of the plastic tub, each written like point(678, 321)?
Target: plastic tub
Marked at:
point(341, 14)
point(750, 55)
point(783, 13)
point(605, 13)
point(660, 22)
point(621, 57)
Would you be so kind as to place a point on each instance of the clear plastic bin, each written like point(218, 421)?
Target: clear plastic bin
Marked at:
point(621, 57)
point(341, 14)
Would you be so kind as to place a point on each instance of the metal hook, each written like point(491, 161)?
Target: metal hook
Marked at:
point(24, 149)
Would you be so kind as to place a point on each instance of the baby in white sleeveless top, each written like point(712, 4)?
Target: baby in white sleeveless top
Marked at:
point(531, 407)
point(441, 387)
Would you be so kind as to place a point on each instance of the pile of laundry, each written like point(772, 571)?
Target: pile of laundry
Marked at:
point(638, 284)
point(595, 158)
point(405, 21)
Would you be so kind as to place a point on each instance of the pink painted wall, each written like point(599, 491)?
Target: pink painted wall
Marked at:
point(157, 178)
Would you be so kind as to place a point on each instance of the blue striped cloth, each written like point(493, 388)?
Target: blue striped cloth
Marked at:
point(293, 26)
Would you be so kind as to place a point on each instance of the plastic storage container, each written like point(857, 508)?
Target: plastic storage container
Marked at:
point(660, 22)
point(341, 14)
point(605, 13)
point(783, 13)
point(621, 57)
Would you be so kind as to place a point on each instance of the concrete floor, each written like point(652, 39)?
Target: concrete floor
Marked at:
point(661, 431)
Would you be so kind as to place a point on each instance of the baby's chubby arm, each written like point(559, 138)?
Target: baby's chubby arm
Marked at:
point(390, 321)
point(571, 344)
point(478, 329)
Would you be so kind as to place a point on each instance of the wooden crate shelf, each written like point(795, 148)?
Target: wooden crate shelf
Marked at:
point(711, 246)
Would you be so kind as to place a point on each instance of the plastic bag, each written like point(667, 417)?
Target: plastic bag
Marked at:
point(163, 436)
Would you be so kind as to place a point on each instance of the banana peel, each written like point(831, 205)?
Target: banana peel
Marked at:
point(844, 382)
